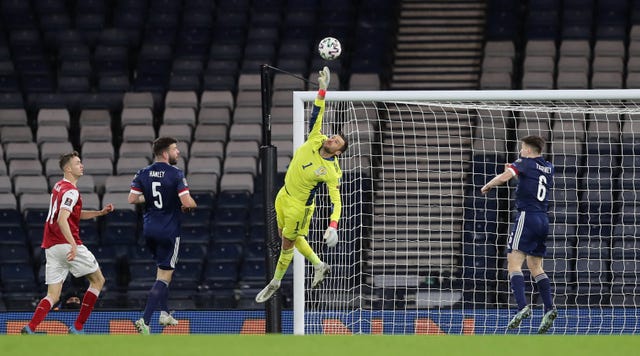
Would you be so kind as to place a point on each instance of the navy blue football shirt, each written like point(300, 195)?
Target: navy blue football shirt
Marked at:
point(162, 186)
point(535, 180)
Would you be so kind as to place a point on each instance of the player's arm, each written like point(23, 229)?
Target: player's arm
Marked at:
point(135, 197)
point(183, 193)
point(500, 179)
point(336, 200)
point(90, 214)
point(65, 229)
point(315, 121)
point(331, 234)
point(187, 202)
point(135, 193)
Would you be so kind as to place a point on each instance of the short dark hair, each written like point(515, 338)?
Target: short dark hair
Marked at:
point(535, 142)
point(65, 158)
point(162, 144)
point(346, 142)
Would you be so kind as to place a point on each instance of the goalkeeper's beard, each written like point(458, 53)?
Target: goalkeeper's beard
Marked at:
point(325, 151)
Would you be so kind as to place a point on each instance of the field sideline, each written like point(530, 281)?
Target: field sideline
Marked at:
point(320, 345)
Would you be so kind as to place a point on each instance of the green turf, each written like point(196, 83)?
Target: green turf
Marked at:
point(283, 345)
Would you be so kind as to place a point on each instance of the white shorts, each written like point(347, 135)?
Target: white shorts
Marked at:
point(57, 267)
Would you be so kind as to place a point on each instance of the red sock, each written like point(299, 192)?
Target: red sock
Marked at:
point(41, 312)
point(88, 302)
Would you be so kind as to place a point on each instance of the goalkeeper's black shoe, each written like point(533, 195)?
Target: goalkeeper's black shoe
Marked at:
point(522, 314)
point(547, 321)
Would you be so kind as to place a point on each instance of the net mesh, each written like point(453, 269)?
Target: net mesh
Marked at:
point(421, 250)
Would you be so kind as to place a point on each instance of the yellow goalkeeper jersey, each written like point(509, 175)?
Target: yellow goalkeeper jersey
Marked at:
point(308, 169)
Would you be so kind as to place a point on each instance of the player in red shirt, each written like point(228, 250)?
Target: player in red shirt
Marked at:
point(64, 250)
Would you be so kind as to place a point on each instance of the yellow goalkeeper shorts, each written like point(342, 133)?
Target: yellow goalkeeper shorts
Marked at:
point(293, 216)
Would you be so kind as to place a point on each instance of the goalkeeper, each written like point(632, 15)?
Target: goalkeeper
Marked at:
point(314, 163)
point(531, 226)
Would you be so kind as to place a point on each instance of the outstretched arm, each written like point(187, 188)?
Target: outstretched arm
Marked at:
point(500, 179)
point(315, 121)
point(336, 200)
point(90, 214)
point(331, 234)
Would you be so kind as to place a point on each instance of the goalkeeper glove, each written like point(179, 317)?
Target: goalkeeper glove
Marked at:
point(324, 78)
point(331, 234)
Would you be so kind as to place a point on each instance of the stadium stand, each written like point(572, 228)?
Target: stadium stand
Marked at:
point(107, 77)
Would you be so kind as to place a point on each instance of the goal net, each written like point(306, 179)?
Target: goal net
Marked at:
point(422, 251)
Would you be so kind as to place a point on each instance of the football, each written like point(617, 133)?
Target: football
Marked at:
point(329, 48)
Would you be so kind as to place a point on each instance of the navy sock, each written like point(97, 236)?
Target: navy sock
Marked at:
point(544, 288)
point(517, 287)
point(163, 299)
point(155, 295)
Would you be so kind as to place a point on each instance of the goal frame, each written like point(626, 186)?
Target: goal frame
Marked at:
point(302, 97)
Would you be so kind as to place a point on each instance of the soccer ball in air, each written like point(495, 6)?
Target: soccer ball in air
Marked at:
point(329, 48)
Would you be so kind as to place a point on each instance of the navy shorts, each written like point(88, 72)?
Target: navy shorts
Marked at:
point(164, 250)
point(529, 233)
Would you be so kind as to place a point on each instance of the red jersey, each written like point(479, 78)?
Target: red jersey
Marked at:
point(64, 195)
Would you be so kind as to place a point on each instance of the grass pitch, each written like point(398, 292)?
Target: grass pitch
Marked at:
point(320, 345)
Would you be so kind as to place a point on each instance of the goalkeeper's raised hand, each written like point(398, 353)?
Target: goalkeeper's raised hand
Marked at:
point(331, 234)
point(324, 77)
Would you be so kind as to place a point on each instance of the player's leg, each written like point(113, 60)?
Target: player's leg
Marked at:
point(165, 251)
point(159, 292)
point(515, 259)
point(517, 248)
point(287, 217)
point(96, 282)
point(534, 263)
point(539, 231)
point(43, 308)
point(85, 264)
point(305, 249)
point(56, 271)
point(284, 260)
point(516, 244)
point(165, 276)
point(287, 229)
point(321, 269)
point(165, 318)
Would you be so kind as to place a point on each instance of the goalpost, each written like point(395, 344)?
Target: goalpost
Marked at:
point(422, 251)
